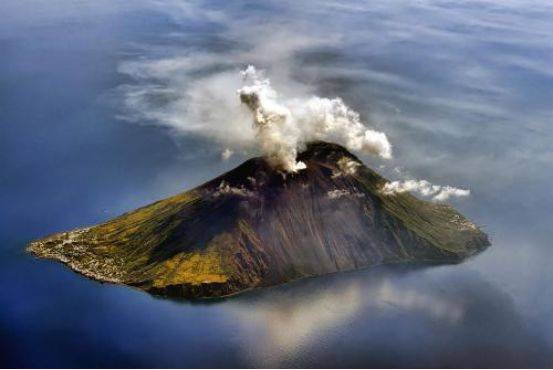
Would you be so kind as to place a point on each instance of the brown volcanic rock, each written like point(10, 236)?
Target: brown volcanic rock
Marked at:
point(255, 226)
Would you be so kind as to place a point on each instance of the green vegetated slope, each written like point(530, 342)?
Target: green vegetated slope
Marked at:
point(255, 226)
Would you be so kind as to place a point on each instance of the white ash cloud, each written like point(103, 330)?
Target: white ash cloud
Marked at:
point(449, 191)
point(285, 125)
point(437, 193)
point(339, 193)
point(277, 132)
point(224, 188)
point(346, 167)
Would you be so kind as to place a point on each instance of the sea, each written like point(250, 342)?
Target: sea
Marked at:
point(109, 105)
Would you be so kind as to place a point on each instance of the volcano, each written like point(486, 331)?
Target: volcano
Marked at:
point(255, 226)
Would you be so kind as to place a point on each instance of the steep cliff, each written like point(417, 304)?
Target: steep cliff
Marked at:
point(255, 226)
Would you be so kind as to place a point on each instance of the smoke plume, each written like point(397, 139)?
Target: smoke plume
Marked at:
point(220, 107)
point(285, 125)
point(436, 192)
point(243, 113)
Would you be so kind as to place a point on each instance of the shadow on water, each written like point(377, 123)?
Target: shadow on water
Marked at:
point(398, 316)
point(256, 294)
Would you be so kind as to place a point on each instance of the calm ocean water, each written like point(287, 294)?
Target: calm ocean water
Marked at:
point(463, 91)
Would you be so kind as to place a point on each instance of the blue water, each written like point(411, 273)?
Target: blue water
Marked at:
point(463, 91)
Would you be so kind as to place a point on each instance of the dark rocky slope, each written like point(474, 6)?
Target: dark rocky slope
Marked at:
point(254, 226)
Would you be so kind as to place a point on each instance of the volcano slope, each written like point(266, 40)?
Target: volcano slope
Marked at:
point(255, 226)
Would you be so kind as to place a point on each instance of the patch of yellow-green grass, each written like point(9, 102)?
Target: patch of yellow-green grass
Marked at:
point(142, 228)
point(211, 265)
point(433, 222)
point(132, 222)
